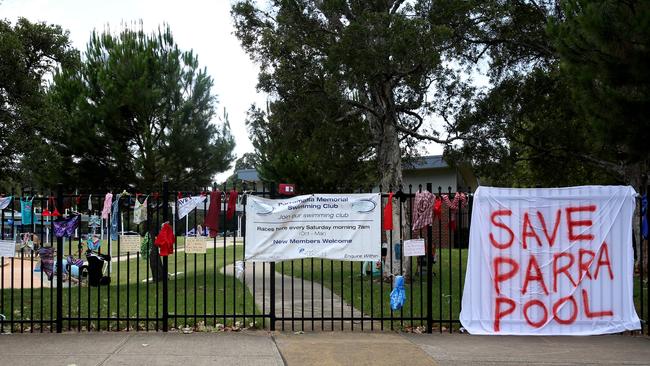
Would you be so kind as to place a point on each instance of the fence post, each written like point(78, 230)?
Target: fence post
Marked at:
point(646, 254)
point(272, 275)
point(430, 272)
point(59, 266)
point(165, 297)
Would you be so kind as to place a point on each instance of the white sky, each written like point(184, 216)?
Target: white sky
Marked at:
point(201, 25)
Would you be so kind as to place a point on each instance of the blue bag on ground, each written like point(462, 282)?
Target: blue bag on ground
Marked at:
point(398, 295)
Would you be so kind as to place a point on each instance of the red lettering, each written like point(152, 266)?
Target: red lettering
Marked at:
point(572, 224)
point(593, 314)
point(551, 238)
point(540, 322)
point(499, 276)
point(574, 311)
point(564, 269)
point(499, 314)
point(585, 264)
point(533, 266)
point(493, 217)
point(604, 252)
point(525, 233)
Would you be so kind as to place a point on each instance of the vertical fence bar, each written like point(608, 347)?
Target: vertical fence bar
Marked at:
point(642, 192)
point(429, 254)
point(59, 267)
point(165, 295)
point(647, 263)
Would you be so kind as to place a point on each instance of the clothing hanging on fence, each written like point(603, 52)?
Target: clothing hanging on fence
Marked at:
point(232, 204)
point(422, 210)
point(212, 218)
point(165, 240)
point(5, 201)
point(115, 209)
point(145, 246)
point(108, 201)
point(398, 295)
point(140, 211)
point(66, 227)
point(94, 222)
point(93, 243)
point(26, 211)
point(47, 261)
point(459, 198)
point(437, 208)
point(388, 213)
point(30, 241)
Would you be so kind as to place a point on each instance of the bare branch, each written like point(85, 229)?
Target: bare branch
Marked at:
point(354, 103)
point(420, 136)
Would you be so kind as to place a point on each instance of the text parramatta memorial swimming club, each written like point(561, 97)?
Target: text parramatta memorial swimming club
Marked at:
point(553, 261)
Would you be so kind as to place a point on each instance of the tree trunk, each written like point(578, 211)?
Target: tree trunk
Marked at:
point(389, 159)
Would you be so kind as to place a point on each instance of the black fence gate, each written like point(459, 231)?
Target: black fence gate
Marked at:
point(105, 276)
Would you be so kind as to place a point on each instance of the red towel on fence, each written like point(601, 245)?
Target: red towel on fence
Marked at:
point(232, 204)
point(165, 240)
point(437, 208)
point(388, 213)
point(212, 219)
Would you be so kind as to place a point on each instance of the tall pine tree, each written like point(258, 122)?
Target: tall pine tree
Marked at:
point(137, 109)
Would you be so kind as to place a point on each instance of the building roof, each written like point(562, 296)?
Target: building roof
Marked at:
point(248, 175)
point(426, 162)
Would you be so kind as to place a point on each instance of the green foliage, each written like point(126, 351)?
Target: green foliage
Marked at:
point(349, 83)
point(550, 116)
point(29, 54)
point(136, 110)
point(311, 146)
point(604, 51)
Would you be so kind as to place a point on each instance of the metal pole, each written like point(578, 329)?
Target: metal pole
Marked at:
point(59, 267)
point(646, 254)
point(429, 253)
point(165, 297)
point(272, 280)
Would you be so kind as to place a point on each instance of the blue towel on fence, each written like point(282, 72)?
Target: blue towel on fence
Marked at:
point(398, 295)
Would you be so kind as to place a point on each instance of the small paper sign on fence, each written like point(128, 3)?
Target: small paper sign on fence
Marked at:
point(130, 243)
point(414, 247)
point(7, 248)
point(195, 245)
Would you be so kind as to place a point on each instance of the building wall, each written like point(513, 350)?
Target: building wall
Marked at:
point(441, 177)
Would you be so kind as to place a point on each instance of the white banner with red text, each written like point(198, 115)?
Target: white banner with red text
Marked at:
point(550, 261)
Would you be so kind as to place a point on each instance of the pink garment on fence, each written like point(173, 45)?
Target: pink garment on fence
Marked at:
point(423, 209)
point(108, 202)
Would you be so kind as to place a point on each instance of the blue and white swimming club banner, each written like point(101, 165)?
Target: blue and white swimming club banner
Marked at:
point(330, 226)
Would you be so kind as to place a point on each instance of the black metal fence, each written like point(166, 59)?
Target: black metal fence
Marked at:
point(90, 281)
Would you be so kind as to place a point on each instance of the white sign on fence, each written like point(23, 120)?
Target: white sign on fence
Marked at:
point(331, 226)
point(7, 248)
point(195, 245)
point(414, 247)
point(130, 243)
point(554, 261)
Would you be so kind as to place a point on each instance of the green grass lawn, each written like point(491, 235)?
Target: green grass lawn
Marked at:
point(372, 296)
point(199, 289)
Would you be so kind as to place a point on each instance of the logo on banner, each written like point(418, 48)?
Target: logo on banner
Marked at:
point(551, 261)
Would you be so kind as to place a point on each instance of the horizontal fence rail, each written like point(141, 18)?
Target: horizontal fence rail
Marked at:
point(100, 278)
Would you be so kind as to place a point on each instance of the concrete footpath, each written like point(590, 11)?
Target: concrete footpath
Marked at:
point(317, 348)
